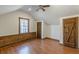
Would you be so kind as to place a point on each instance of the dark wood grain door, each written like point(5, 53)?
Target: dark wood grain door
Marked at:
point(39, 25)
point(70, 32)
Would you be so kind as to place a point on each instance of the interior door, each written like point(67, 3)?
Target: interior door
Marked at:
point(70, 32)
point(39, 27)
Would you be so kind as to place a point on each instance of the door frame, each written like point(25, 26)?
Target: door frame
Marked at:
point(61, 28)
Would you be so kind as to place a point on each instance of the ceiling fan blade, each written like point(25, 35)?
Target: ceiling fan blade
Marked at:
point(45, 5)
point(43, 9)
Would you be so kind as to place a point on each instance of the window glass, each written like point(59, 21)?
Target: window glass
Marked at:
point(24, 28)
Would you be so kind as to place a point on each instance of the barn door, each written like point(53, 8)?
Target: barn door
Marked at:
point(70, 32)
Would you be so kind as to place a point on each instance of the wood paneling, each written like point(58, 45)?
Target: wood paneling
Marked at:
point(5, 40)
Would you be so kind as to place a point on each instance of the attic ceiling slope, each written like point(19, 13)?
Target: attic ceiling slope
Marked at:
point(53, 13)
point(9, 8)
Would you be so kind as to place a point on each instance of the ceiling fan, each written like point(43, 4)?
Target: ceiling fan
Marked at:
point(42, 7)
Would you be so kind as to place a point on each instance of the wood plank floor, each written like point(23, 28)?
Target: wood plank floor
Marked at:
point(38, 46)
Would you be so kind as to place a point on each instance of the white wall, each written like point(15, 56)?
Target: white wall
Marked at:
point(45, 30)
point(55, 32)
point(51, 31)
point(9, 23)
point(61, 31)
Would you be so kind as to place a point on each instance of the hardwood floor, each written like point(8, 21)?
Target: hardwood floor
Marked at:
point(38, 46)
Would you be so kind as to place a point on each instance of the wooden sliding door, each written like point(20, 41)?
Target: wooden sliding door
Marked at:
point(70, 32)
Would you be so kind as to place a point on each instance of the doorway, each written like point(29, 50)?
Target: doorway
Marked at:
point(39, 27)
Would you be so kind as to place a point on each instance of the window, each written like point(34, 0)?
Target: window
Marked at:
point(23, 25)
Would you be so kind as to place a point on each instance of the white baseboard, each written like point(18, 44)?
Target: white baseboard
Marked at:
point(60, 42)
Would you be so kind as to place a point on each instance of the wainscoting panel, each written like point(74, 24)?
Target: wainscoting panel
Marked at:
point(5, 40)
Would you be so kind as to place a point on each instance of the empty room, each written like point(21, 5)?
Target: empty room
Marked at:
point(39, 29)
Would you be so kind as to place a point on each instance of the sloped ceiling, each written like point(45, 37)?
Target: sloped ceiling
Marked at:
point(53, 13)
point(8, 8)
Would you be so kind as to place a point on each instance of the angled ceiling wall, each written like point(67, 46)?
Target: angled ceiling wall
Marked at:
point(53, 13)
point(8, 8)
